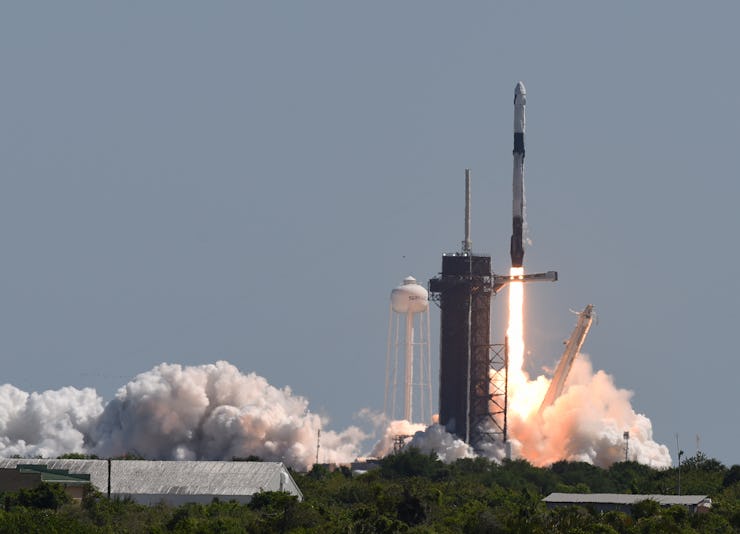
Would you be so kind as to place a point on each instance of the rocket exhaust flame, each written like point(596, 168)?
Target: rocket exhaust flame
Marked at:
point(515, 330)
point(585, 423)
point(524, 395)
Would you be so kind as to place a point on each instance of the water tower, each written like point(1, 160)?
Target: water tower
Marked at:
point(408, 344)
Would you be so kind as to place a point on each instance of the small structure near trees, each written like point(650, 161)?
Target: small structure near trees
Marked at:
point(623, 502)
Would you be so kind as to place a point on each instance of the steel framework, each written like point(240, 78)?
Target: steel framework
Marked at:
point(491, 419)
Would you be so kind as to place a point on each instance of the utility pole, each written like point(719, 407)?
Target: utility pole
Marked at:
point(680, 453)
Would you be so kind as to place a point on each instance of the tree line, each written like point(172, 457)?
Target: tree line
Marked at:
point(410, 492)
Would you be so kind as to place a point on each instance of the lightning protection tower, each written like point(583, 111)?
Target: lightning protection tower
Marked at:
point(408, 343)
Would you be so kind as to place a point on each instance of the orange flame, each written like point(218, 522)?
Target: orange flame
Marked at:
point(525, 396)
point(587, 422)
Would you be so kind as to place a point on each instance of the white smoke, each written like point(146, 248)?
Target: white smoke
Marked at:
point(174, 412)
point(46, 424)
point(395, 429)
point(436, 439)
point(427, 439)
point(216, 412)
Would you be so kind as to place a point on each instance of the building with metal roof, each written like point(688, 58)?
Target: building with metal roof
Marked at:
point(173, 482)
point(622, 502)
point(27, 476)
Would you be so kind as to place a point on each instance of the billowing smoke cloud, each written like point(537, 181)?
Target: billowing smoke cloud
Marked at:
point(436, 439)
point(174, 412)
point(427, 439)
point(46, 424)
point(395, 429)
point(587, 423)
point(216, 412)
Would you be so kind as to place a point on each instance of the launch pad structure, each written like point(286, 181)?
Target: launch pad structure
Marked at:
point(473, 389)
point(472, 403)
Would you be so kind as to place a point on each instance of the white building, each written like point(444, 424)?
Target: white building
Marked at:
point(622, 502)
point(175, 482)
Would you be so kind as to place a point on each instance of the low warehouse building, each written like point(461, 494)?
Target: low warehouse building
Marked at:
point(623, 502)
point(173, 482)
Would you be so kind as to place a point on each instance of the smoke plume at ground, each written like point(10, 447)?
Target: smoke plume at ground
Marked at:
point(587, 424)
point(46, 424)
point(215, 412)
point(173, 412)
point(427, 439)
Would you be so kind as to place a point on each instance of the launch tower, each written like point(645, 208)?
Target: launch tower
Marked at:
point(473, 371)
point(472, 378)
point(468, 406)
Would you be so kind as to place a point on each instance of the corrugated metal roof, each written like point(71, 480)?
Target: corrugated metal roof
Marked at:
point(199, 478)
point(131, 477)
point(622, 498)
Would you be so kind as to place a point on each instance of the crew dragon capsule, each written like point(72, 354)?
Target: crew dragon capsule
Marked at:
point(517, 236)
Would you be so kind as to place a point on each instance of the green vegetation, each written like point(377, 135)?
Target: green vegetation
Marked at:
point(410, 492)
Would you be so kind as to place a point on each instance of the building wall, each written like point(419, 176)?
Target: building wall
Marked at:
point(228, 480)
point(602, 507)
point(75, 492)
point(151, 499)
point(13, 480)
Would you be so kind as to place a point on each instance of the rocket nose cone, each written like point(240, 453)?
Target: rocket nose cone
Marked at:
point(520, 95)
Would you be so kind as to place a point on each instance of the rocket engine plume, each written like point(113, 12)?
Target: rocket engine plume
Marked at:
point(586, 423)
point(524, 395)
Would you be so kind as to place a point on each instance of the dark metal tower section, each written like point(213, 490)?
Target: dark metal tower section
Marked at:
point(493, 426)
point(464, 290)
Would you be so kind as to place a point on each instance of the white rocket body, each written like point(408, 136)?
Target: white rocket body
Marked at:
point(517, 235)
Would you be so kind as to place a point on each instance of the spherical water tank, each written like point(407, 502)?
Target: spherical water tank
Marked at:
point(409, 297)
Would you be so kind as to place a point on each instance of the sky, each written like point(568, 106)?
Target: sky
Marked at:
point(188, 182)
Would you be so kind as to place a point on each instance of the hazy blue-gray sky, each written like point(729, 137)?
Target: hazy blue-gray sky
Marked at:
point(190, 181)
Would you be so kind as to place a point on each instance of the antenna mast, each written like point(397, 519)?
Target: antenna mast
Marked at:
point(467, 245)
